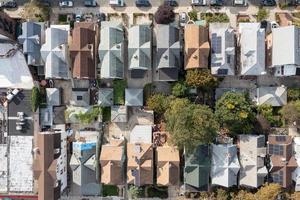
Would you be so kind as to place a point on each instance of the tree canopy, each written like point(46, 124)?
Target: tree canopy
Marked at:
point(235, 112)
point(291, 112)
point(200, 79)
point(268, 191)
point(190, 124)
point(159, 103)
point(164, 14)
point(179, 89)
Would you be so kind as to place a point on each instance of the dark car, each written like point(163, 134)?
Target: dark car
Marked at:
point(216, 2)
point(10, 4)
point(142, 3)
point(268, 3)
point(90, 3)
point(171, 3)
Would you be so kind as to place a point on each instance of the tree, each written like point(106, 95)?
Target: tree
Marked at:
point(235, 112)
point(262, 14)
point(291, 112)
point(164, 14)
point(201, 79)
point(90, 116)
point(35, 99)
point(269, 191)
point(159, 103)
point(266, 111)
point(220, 194)
point(179, 89)
point(193, 15)
point(35, 11)
point(133, 192)
point(242, 195)
point(190, 124)
point(293, 94)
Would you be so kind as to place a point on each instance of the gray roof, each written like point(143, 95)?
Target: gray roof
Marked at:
point(111, 50)
point(139, 47)
point(31, 40)
point(80, 97)
point(168, 51)
point(252, 42)
point(46, 116)
point(222, 49)
point(54, 53)
point(118, 114)
point(106, 97)
point(133, 97)
point(225, 165)
point(53, 97)
point(252, 153)
point(274, 96)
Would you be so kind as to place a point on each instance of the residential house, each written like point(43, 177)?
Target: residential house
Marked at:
point(286, 51)
point(139, 50)
point(168, 48)
point(134, 97)
point(274, 96)
point(140, 164)
point(119, 114)
point(252, 155)
point(83, 50)
point(80, 97)
point(223, 43)
point(47, 152)
point(197, 169)
point(296, 173)
point(106, 97)
point(141, 134)
point(252, 49)
point(112, 161)
point(31, 39)
point(111, 50)
point(196, 47)
point(55, 54)
point(283, 162)
point(225, 165)
point(168, 166)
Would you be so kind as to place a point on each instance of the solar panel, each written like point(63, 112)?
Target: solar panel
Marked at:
point(216, 43)
point(223, 71)
point(275, 149)
point(278, 177)
point(280, 138)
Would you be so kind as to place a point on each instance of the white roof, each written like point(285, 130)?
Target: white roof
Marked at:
point(296, 173)
point(14, 72)
point(274, 96)
point(141, 134)
point(252, 42)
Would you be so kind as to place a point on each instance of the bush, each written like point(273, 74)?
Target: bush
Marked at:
point(89, 117)
point(200, 79)
point(119, 91)
point(159, 103)
point(179, 89)
point(62, 18)
point(164, 15)
point(267, 112)
point(262, 14)
point(293, 94)
point(216, 17)
point(110, 190)
point(291, 112)
point(193, 15)
point(35, 99)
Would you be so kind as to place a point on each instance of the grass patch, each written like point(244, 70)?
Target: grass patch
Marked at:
point(215, 17)
point(110, 190)
point(35, 99)
point(106, 114)
point(119, 91)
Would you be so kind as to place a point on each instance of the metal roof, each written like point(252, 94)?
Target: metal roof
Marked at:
point(134, 97)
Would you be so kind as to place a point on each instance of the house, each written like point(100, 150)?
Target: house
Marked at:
point(252, 53)
point(134, 97)
point(296, 173)
point(106, 97)
point(222, 40)
point(31, 39)
point(168, 166)
point(13, 67)
point(111, 50)
point(167, 52)
point(196, 47)
point(139, 50)
point(274, 96)
point(112, 161)
point(140, 164)
point(225, 165)
point(80, 97)
point(47, 152)
point(283, 162)
point(141, 134)
point(83, 50)
point(119, 114)
point(55, 54)
point(252, 156)
point(197, 169)
point(286, 51)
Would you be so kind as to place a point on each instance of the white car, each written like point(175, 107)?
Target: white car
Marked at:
point(66, 3)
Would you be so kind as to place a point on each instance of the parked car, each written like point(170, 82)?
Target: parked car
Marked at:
point(199, 2)
point(268, 3)
point(78, 18)
point(116, 3)
point(45, 3)
point(171, 3)
point(240, 2)
point(9, 4)
point(66, 4)
point(101, 17)
point(90, 3)
point(142, 3)
point(183, 18)
point(216, 2)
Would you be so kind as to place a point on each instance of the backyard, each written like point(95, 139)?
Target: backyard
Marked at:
point(119, 91)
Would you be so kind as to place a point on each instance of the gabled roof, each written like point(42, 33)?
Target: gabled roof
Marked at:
point(83, 50)
point(31, 40)
point(222, 49)
point(252, 153)
point(225, 165)
point(134, 97)
point(168, 166)
point(53, 97)
point(274, 96)
point(196, 48)
point(105, 97)
point(252, 42)
point(141, 134)
point(168, 52)
point(54, 53)
point(111, 50)
point(286, 49)
point(139, 47)
point(197, 169)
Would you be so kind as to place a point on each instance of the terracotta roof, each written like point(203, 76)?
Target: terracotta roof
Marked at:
point(196, 48)
point(83, 50)
point(45, 165)
point(167, 165)
point(140, 164)
point(283, 162)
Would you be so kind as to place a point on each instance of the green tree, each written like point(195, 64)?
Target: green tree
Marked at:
point(201, 79)
point(221, 194)
point(242, 195)
point(262, 14)
point(193, 15)
point(266, 111)
point(133, 192)
point(269, 191)
point(179, 89)
point(235, 112)
point(293, 94)
point(89, 117)
point(35, 99)
point(159, 103)
point(190, 124)
point(291, 112)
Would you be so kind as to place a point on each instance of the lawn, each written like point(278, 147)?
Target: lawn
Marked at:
point(119, 91)
point(106, 114)
point(110, 190)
